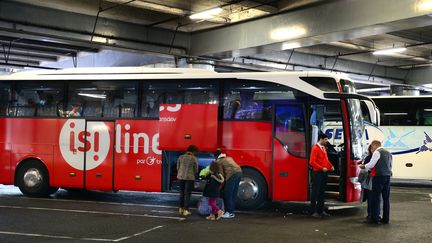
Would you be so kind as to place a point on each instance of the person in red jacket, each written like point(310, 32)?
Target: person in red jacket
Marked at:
point(320, 165)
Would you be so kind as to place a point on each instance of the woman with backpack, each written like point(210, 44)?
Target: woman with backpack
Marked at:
point(187, 168)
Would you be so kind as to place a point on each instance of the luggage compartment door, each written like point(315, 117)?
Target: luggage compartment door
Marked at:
point(182, 125)
point(99, 155)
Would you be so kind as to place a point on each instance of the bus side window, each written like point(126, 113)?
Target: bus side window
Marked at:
point(253, 100)
point(104, 98)
point(49, 110)
point(5, 97)
point(396, 113)
point(412, 118)
point(365, 112)
point(87, 96)
point(177, 92)
point(38, 98)
point(427, 117)
point(92, 109)
point(290, 129)
point(150, 104)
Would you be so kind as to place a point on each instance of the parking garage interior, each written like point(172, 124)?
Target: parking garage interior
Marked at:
point(383, 46)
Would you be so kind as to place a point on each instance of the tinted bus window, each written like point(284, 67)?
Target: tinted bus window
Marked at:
point(322, 83)
point(37, 98)
point(5, 97)
point(426, 116)
point(290, 128)
point(405, 111)
point(253, 100)
point(112, 99)
point(177, 92)
point(395, 112)
point(365, 112)
point(424, 110)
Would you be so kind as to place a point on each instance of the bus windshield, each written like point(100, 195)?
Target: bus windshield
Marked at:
point(356, 125)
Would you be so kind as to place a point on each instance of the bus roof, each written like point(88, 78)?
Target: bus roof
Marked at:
point(290, 79)
point(146, 72)
point(105, 71)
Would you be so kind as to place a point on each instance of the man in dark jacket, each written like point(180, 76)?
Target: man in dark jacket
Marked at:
point(380, 166)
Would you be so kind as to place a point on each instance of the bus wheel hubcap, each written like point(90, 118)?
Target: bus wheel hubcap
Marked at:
point(32, 178)
point(248, 189)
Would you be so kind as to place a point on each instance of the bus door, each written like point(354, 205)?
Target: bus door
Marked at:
point(99, 155)
point(290, 164)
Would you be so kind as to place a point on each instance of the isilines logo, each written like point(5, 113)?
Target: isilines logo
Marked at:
point(170, 108)
point(75, 142)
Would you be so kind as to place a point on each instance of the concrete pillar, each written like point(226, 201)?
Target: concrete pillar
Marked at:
point(404, 91)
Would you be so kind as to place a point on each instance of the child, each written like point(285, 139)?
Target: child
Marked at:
point(212, 190)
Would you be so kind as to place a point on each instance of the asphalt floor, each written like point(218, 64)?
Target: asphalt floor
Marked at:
point(153, 217)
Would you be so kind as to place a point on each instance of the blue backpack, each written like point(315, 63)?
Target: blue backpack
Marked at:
point(205, 209)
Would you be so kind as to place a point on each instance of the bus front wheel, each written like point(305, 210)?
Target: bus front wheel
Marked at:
point(252, 192)
point(32, 180)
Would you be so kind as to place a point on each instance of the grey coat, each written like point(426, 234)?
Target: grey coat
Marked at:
point(187, 167)
point(365, 180)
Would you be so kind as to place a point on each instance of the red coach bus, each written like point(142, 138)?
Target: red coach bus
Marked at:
point(129, 125)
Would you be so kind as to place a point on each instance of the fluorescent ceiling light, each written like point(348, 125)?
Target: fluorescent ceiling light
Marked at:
point(372, 89)
point(208, 14)
point(197, 88)
point(427, 109)
point(396, 114)
point(424, 5)
point(389, 51)
point(287, 33)
point(100, 39)
point(288, 46)
point(97, 96)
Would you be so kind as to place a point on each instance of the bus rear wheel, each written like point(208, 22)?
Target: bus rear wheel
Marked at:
point(32, 180)
point(252, 192)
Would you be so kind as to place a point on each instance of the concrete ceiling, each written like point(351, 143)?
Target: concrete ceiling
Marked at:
point(338, 35)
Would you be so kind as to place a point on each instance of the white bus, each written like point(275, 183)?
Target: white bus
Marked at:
point(406, 122)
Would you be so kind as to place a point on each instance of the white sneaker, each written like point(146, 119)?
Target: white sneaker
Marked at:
point(228, 215)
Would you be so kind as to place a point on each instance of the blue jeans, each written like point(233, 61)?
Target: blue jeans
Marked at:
point(380, 187)
point(318, 192)
point(230, 191)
